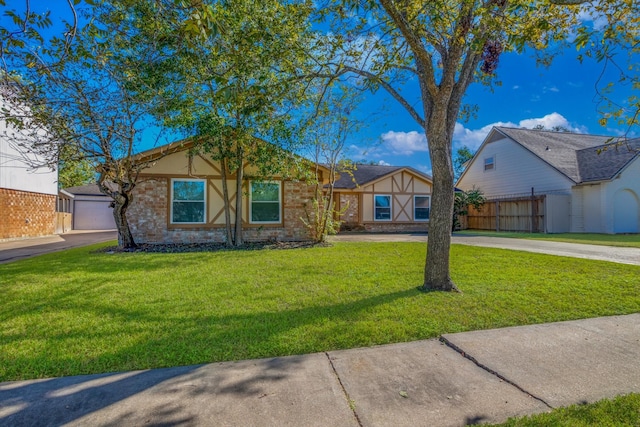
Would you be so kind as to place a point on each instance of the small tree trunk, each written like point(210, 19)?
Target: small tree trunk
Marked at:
point(239, 241)
point(227, 203)
point(120, 204)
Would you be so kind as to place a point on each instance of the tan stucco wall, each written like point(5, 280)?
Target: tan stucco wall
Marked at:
point(402, 186)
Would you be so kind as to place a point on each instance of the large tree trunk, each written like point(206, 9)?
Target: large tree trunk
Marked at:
point(436, 273)
point(121, 203)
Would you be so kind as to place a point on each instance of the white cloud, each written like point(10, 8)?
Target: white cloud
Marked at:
point(383, 163)
point(405, 143)
point(472, 138)
point(515, 87)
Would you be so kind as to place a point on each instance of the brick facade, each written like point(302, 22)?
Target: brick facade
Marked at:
point(149, 217)
point(349, 202)
point(26, 214)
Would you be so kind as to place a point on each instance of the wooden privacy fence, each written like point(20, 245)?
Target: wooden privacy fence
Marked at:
point(525, 214)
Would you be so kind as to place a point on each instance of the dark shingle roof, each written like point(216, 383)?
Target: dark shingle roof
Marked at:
point(364, 174)
point(85, 190)
point(561, 150)
point(606, 161)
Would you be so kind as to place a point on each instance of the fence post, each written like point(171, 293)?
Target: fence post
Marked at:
point(497, 215)
point(533, 211)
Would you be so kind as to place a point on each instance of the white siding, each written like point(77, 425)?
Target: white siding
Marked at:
point(516, 170)
point(15, 173)
point(627, 185)
point(557, 208)
point(592, 208)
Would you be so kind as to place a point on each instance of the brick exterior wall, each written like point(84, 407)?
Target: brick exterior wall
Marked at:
point(25, 214)
point(350, 215)
point(148, 217)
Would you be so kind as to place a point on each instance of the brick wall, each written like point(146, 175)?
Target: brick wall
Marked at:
point(25, 214)
point(148, 220)
point(350, 215)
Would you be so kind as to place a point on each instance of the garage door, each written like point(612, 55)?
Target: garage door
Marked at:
point(93, 215)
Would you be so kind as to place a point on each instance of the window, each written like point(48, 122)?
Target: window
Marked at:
point(489, 163)
point(382, 208)
point(421, 208)
point(188, 201)
point(265, 202)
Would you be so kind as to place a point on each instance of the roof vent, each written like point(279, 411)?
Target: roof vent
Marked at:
point(547, 149)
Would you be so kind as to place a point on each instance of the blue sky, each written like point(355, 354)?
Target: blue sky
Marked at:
point(562, 95)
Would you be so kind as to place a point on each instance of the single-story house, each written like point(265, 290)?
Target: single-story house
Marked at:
point(179, 199)
point(90, 209)
point(380, 198)
point(591, 183)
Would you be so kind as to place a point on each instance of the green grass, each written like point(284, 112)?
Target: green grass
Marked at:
point(621, 240)
point(621, 411)
point(80, 311)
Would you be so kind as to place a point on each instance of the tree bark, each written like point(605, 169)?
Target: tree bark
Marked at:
point(227, 207)
point(436, 273)
point(239, 241)
point(121, 203)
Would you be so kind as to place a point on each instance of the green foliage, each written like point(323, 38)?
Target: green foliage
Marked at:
point(619, 411)
point(462, 201)
point(463, 155)
point(76, 173)
point(611, 38)
point(81, 311)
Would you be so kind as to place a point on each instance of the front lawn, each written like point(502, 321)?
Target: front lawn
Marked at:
point(621, 411)
point(79, 311)
point(621, 240)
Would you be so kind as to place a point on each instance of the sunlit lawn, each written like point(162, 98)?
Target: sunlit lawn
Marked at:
point(622, 240)
point(80, 311)
point(621, 411)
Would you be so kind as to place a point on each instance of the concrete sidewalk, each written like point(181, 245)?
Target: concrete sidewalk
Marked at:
point(13, 250)
point(465, 378)
point(576, 250)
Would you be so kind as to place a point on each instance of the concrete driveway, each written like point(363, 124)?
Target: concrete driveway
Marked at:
point(13, 250)
point(576, 250)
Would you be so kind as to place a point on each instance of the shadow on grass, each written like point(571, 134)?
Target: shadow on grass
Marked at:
point(190, 340)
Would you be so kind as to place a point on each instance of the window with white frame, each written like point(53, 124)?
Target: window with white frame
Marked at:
point(421, 208)
point(489, 163)
point(265, 202)
point(188, 201)
point(382, 207)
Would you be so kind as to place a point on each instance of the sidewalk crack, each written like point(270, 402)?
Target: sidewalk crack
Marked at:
point(491, 371)
point(350, 402)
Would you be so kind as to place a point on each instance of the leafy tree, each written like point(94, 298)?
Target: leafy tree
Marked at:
point(87, 102)
point(463, 155)
point(236, 89)
point(444, 46)
point(333, 122)
point(611, 38)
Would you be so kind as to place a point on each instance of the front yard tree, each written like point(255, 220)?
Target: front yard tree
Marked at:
point(332, 122)
point(236, 92)
point(86, 102)
point(444, 46)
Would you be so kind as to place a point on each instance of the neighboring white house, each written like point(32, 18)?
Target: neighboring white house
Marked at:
point(591, 185)
point(28, 194)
